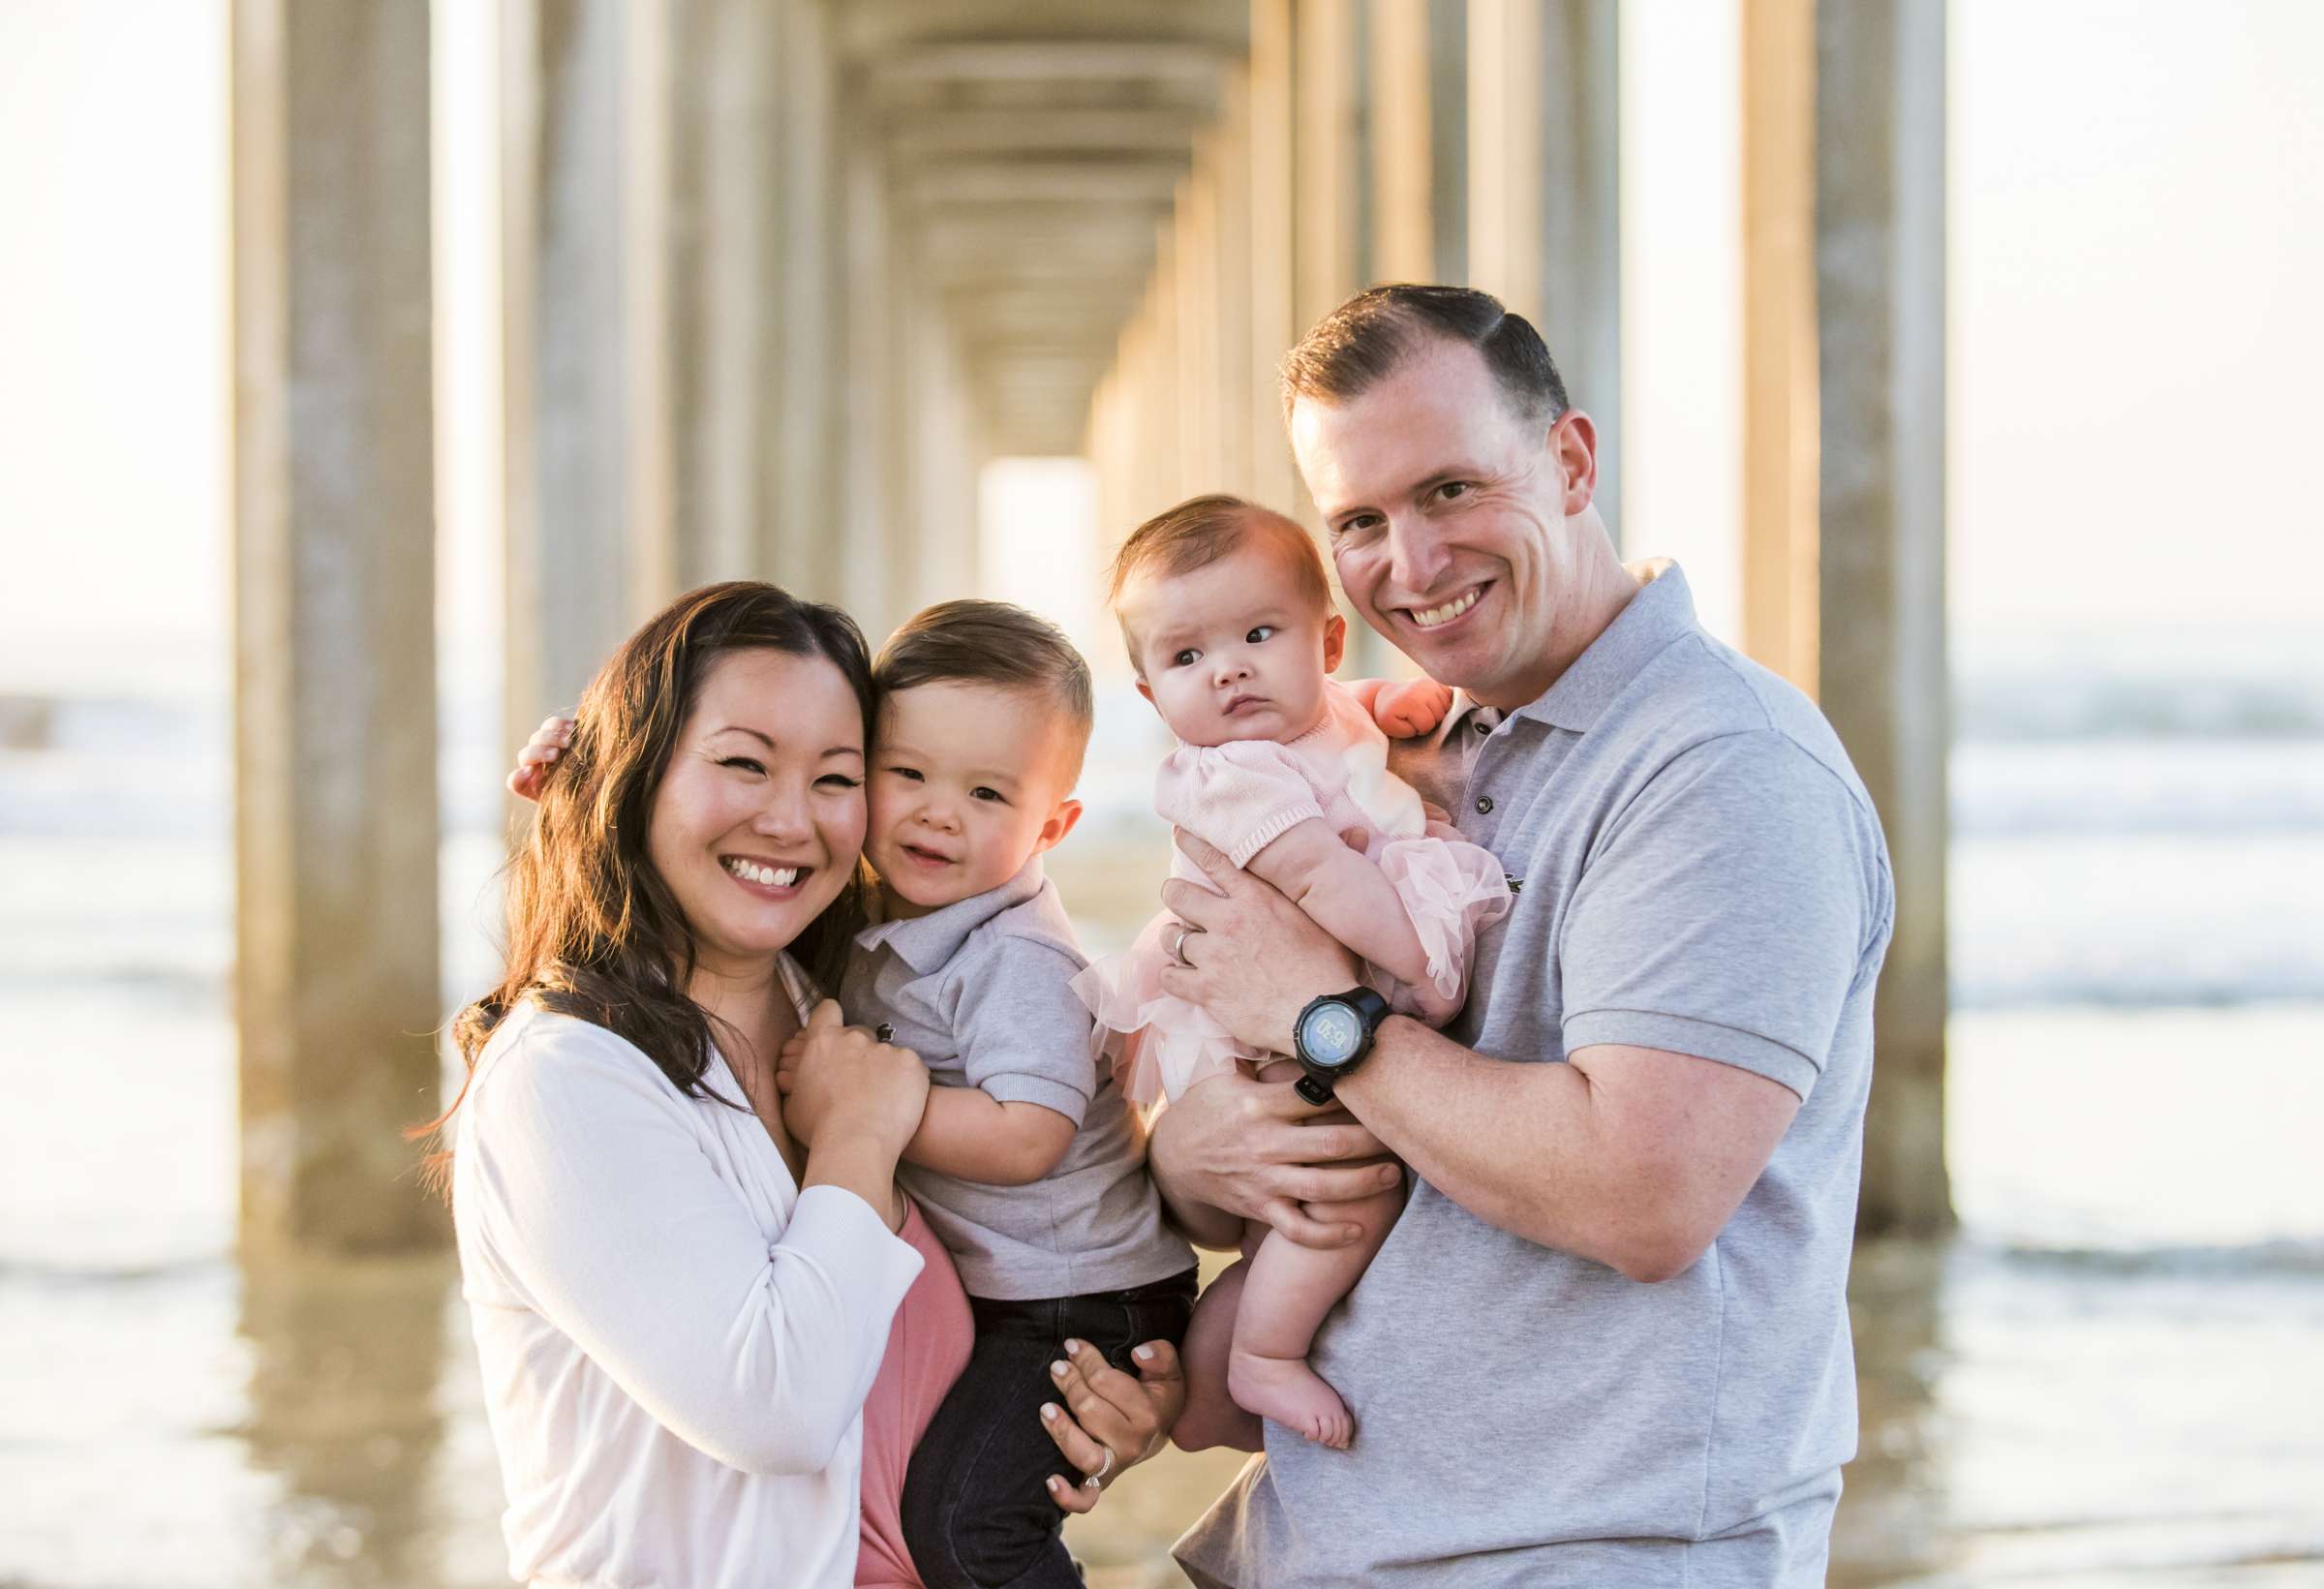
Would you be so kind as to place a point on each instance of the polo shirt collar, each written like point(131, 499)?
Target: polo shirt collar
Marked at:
point(1663, 611)
point(926, 943)
point(1467, 710)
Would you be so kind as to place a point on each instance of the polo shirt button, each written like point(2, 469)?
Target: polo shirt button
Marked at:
point(1485, 804)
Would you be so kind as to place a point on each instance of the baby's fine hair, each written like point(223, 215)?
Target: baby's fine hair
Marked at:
point(991, 643)
point(1201, 530)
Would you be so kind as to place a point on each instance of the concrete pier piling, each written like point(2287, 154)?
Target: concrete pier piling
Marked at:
point(1844, 482)
point(1879, 283)
point(1544, 201)
point(334, 633)
point(590, 548)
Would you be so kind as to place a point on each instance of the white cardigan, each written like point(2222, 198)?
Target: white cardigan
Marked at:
point(676, 1342)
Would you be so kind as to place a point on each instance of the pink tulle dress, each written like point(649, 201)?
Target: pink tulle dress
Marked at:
point(1238, 798)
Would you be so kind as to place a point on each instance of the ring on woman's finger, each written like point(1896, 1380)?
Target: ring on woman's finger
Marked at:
point(1096, 1481)
point(1177, 945)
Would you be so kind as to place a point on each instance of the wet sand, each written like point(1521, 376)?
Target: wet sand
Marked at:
point(2112, 1376)
point(2034, 1410)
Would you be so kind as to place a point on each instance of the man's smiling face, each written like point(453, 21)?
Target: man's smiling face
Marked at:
point(1447, 512)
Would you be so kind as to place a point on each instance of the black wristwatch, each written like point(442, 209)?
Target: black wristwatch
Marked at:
point(1330, 1038)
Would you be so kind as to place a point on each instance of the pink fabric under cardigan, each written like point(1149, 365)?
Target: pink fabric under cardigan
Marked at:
point(928, 1347)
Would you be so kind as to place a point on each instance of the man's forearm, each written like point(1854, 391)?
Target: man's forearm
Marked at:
point(1509, 1142)
point(1541, 1150)
point(1633, 1156)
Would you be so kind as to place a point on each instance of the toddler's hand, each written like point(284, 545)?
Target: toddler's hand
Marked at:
point(1407, 710)
point(539, 754)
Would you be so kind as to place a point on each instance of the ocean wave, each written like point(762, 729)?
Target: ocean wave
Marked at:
point(2285, 1258)
point(53, 1275)
point(2138, 786)
point(2036, 705)
point(2145, 990)
point(2136, 920)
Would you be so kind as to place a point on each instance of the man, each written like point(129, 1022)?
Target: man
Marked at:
point(1608, 1342)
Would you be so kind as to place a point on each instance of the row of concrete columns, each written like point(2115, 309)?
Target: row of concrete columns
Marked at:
point(719, 360)
point(1367, 140)
point(717, 363)
point(722, 356)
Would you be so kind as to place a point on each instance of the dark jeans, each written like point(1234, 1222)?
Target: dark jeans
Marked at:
point(976, 1514)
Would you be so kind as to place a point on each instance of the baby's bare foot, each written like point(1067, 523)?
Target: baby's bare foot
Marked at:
point(1293, 1395)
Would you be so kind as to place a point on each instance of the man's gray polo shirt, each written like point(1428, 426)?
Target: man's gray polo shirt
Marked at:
point(982, 991)
point(1703, 872)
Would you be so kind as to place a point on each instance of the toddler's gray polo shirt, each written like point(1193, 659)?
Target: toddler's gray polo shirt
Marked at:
point(1701, 873)
point(981, 991)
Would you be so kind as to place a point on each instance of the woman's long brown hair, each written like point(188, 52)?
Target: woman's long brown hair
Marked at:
point(594, 932)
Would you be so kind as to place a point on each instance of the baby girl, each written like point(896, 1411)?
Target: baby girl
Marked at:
point(1228, 622)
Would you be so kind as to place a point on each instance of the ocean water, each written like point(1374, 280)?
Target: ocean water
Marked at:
point(2113, 1374)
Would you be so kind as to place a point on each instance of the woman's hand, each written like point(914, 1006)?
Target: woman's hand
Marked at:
point(538, 755)
point(1109, 1421)
point(839, 1081)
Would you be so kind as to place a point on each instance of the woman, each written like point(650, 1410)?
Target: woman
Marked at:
point(680, 1308)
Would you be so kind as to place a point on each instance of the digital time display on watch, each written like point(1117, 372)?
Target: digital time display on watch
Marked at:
point(1331, 1034)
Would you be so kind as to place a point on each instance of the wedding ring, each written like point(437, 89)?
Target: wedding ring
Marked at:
point(1097, 1480)
point(1177, 947)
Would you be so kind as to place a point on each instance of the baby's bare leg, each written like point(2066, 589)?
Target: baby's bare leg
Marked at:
point(1210, 1417)
point(1289, 1289)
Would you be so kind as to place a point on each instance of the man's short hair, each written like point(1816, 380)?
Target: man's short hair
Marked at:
point(991, 643)
point(1200, 531)
point(1375, 333)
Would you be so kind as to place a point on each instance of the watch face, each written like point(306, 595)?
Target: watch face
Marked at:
point(1330, 1034)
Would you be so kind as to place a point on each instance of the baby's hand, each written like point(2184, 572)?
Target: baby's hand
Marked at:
point(1407, 710)
point(539, 755)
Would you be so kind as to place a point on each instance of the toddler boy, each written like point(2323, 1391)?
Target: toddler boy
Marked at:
point(1028, 1163)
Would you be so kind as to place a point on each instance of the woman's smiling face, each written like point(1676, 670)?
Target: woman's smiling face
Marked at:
point(759, 819)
